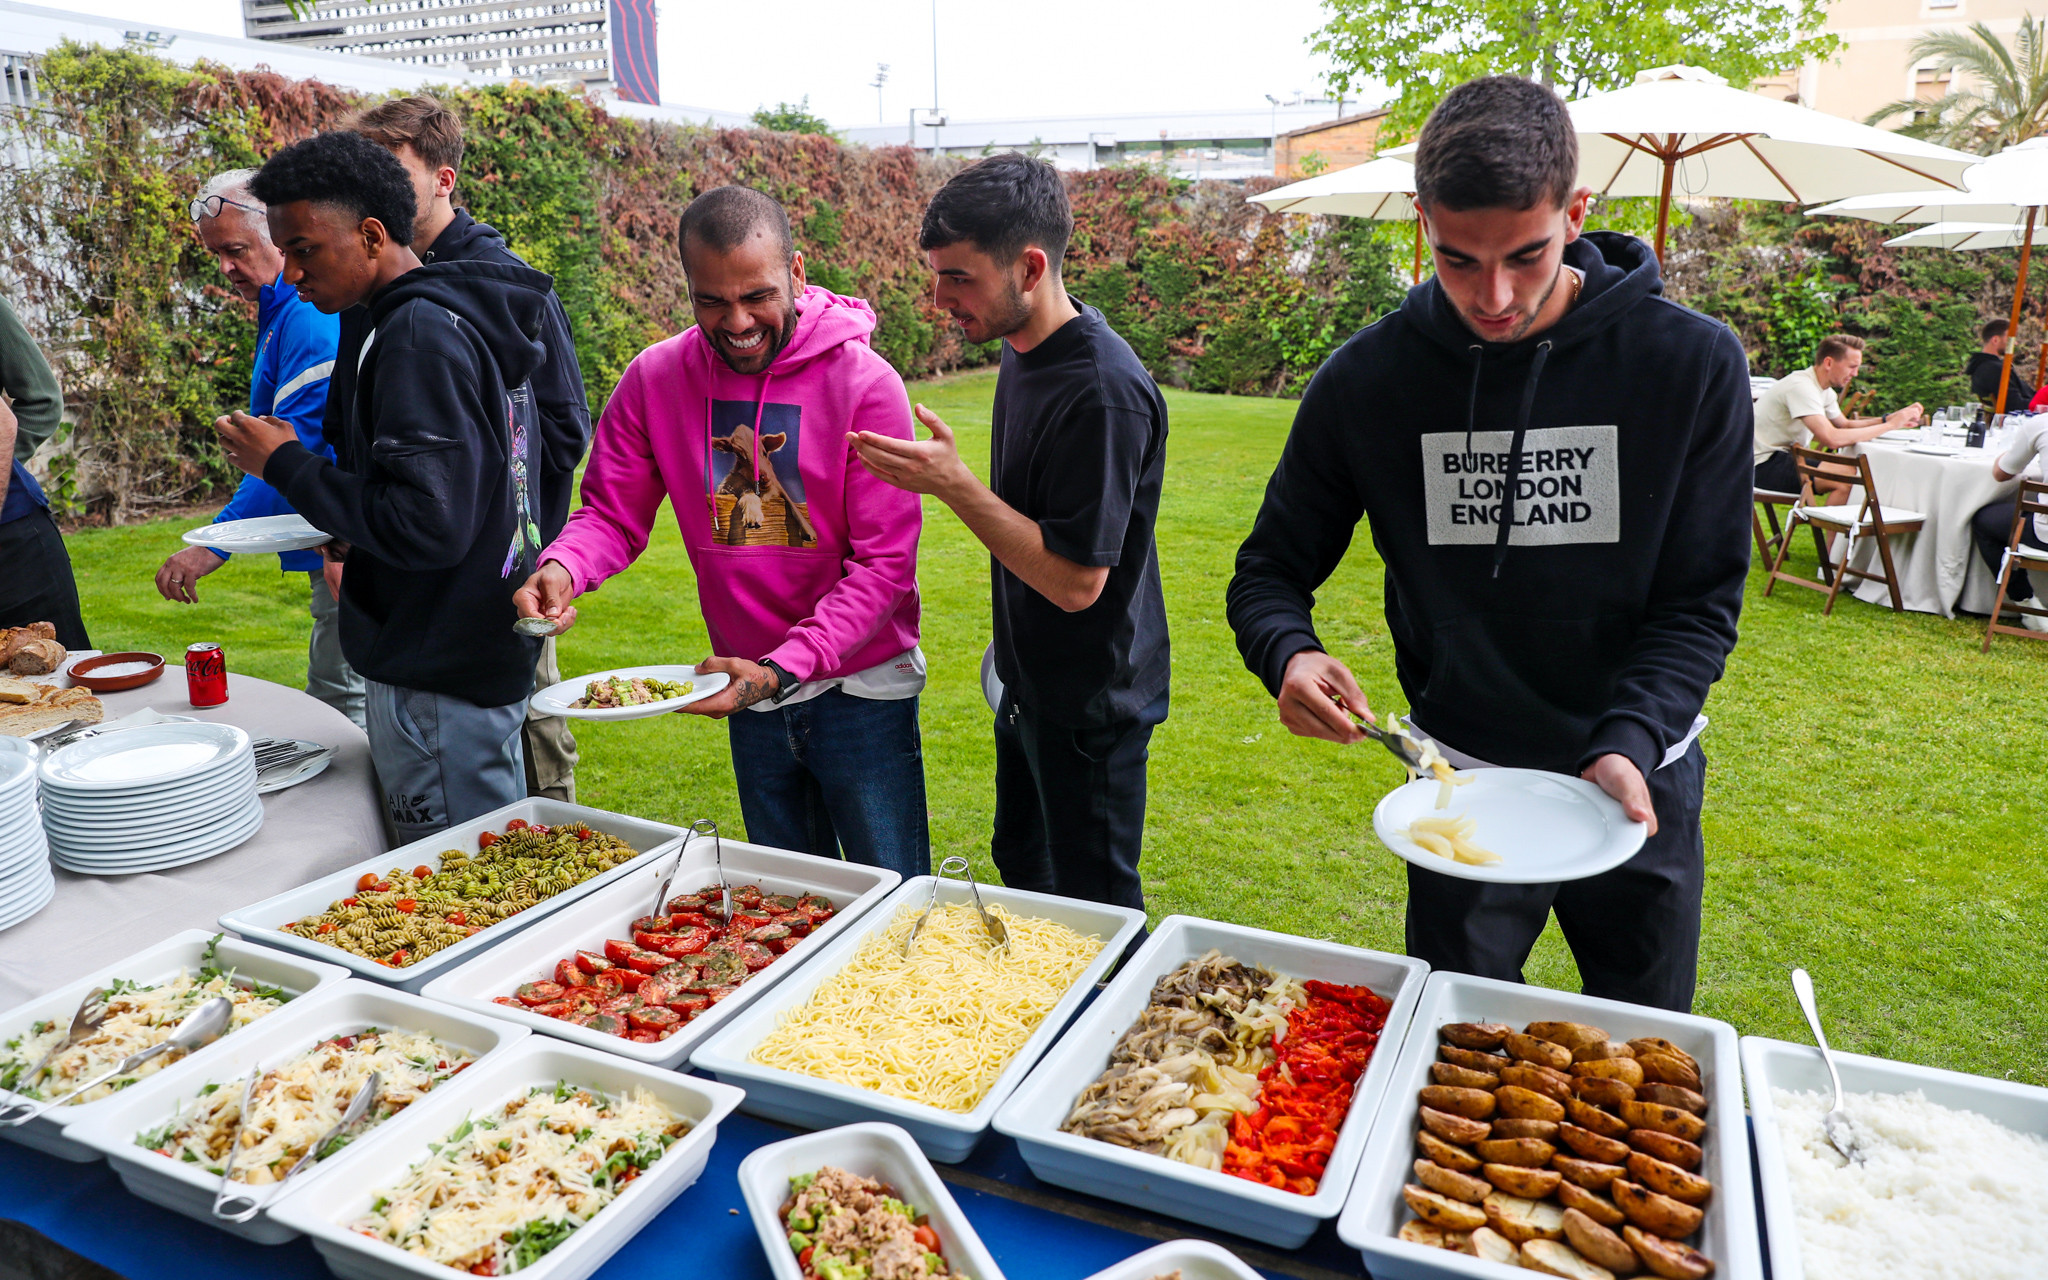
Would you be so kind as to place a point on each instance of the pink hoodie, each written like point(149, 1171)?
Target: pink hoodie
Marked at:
point(801, 555)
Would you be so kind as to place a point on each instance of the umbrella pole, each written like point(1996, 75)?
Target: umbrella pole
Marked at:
point(2019, 295)
point(1418, 254)
point(1664, 207)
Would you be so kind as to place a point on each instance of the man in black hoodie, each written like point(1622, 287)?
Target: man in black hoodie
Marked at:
point(1987, 364)
point(432, 498)
point(1555, 464)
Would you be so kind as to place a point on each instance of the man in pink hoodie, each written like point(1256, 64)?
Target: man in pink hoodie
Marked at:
point(806, 564)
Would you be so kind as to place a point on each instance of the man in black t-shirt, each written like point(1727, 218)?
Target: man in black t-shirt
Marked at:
point(1077, 459)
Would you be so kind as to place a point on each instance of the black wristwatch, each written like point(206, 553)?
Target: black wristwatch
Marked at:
point(785, 683)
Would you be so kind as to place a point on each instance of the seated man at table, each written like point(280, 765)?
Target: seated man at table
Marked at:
point(1986, 365)
point(1801, 408)
point(1992, 525)
point(433, 499)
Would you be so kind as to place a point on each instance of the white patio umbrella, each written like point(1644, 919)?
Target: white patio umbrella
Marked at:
point(1382, 190)
point(1961, 235)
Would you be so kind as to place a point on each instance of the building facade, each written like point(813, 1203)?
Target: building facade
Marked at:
point(1332, 144)
point(1874, 66)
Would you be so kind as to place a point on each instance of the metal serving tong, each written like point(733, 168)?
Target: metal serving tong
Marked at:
point(958, 866)
point(701, 827)
point(1400, 744)
point(92, 1011)
point(239, 1206)
point(202, 1026)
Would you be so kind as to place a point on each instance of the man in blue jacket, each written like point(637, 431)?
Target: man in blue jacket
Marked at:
point(294, 357)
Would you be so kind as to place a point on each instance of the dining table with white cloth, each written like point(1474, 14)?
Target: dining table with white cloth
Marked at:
point(309, 830)
point(1939, 569)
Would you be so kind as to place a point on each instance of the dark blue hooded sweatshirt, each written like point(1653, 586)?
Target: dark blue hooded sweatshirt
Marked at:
point(1596, 618)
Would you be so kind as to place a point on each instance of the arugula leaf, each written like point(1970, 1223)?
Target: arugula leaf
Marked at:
point(530, 1243)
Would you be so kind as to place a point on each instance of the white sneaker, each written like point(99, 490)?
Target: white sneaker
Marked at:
point(2034, 621)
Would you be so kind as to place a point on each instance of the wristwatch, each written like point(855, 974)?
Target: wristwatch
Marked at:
point(785, 683)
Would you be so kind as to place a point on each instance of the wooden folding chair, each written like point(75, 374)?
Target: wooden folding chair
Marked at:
point(2033, 501)
point(1765, 504)
point(1816, 470)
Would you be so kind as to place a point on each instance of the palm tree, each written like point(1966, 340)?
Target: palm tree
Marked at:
point(1997, 96)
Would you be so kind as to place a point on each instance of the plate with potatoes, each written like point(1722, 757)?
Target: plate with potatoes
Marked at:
point(1528, 1130)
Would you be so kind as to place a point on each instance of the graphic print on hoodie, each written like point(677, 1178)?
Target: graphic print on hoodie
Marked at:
point(751, 505)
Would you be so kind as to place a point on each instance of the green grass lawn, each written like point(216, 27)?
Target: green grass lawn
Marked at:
point(1869, 812)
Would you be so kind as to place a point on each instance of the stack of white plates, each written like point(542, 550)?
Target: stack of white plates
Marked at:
point(148, 798)
point(26, 885)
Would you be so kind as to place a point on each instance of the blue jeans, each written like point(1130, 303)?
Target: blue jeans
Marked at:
point(836, 772)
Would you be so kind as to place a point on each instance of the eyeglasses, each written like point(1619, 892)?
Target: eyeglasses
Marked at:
point(210, 207)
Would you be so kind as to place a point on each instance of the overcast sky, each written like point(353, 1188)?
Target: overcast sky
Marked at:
point(1046, 57)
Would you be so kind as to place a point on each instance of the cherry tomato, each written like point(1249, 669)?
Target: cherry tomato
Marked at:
point(517, 824)
point(927, 1238)
point(407, 905)
point(687, 942)
point(647, 961)
point(804, 1259)
point(533, 993)
point(422, 871)
point(350, 902)
point(617, 950)
point(610, 981)
point(328, 927)
point(632, 978)
point(382, 886)
point(368, 881)
point(654, 1018)
point(648, 940)
point(458, 917)
point(591, 962)
point(569, 975)
point(487, 839)
point(399, 956)
point(507, 1001)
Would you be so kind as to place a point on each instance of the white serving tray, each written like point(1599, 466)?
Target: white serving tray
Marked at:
point(160, 963)
point(1777, 1064)
point(325, 1209)
point(1034, 1113)
point(530, 955)
point(261, 921)
point(947, 1136)
point(1194, 1259)
point(341, 1009)
point(1375, 1211)
point(873, 1150)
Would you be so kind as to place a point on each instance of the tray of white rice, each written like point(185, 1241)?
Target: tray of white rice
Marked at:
point(1952, 1182)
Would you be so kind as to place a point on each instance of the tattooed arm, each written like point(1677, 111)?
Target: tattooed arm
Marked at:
point(751, 682)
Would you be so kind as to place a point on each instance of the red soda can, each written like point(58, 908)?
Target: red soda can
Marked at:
point(206, 674)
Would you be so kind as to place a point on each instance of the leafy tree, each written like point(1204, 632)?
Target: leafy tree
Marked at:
point(1425, 48)
point(2000, 97)
point(792, 117)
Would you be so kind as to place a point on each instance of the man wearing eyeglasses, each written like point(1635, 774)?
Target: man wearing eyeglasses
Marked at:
point(295, 346)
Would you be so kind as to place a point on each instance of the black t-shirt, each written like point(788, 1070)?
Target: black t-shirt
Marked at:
point(1080, 447)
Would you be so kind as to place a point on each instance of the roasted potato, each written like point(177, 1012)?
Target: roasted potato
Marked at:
point(1671, 1120)
point(1448, 1154)
point(1518, 1103)
point(1472, 1059)
point(1587, 1116)
point(1442, 1211)
point(1556, 1258)
point(1569, 1034)
point(1599, 1243)
point(1669, 1259)
point(1416, 1231)
point(1491, 1246)
point(1475, 1035)
point(1657, 1214)
point(1513, 1127)
point(1590, 1174)
point(1445, 1182)
point(1627, 1070)
point(1543, 1053)
point(1669, 1148)
point(1662, 1068)
point(1672, 1095)
point(1531, 1153)
point(1669, 1179)
point(1591, 1203)
point(1459, 1129)
point(1457, 1077)
point(1521, 1219)
point(1588, 1145)
point(1657, 1044)
point(1544, 1080)
point(1473, 1104)
point(1519, 1180)
point(1599, 1049)
point(1603, 1091)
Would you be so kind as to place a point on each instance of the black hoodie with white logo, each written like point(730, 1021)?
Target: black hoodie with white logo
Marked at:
point(436, 493)
point(1596, 619)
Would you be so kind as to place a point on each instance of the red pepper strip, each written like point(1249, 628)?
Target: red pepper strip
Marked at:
point(1303, 1096)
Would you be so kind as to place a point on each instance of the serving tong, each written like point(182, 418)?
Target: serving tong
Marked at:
point(1400, 744)
point(1835, 1124)
point(239, 1206)
point(204, 1025)
point(92, 1011)
point(701, 827)
point(956, 865)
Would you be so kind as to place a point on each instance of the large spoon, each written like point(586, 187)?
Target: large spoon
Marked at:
point(202, 1026)
point(1835, 1123)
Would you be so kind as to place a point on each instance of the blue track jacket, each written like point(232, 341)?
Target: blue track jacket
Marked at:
point(294, 356)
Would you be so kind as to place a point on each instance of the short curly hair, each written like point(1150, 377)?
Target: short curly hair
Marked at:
point(1002, 206)
point(343, 169)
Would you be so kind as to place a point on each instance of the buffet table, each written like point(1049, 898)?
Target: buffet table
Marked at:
point(308, 830)
point(1939, 568)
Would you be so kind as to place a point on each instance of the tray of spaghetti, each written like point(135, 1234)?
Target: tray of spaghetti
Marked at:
point(934, 1041)
point(1228, 1076)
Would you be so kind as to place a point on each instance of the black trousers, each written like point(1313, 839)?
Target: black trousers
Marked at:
point(1635, 930)
point(35, 579)
point(1070, 805)
point(1992, 527)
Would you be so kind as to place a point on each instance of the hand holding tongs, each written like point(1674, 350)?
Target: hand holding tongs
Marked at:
point(958, 866)
point(701, 827)
point(1394, 740)
point(200, 1027)
point(240, 1206)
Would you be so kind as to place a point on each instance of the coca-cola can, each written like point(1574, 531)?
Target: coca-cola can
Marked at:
point(206, 674)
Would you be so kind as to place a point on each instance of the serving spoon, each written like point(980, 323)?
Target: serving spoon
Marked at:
point(1835, 1124)
point(202, 1026)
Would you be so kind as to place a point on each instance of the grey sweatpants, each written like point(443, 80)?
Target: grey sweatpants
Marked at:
point(550, 747)
point(328, 675)
point(441, 760)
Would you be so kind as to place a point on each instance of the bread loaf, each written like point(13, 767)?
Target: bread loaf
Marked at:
point(13, 638)
point(37, 656)
point(47, 708)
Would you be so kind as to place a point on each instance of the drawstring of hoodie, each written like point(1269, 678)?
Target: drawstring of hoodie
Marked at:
point(1472, 400)
point(1507, 501)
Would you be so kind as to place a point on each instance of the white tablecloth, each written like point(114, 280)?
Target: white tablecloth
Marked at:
point(1939, 568)
point(308, 830)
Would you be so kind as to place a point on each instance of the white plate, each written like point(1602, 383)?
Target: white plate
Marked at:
point(883, 1152)
point(946, 1136)
point(18, 886)
point(1194, 1259)
point(1769, 1064)
point(152, 796)
point(238, 783)
point(1374, 1211)
point(120, 829)
point(10, 745)
point(198, 849)
point(530, 956)
point(148, 967)
point(17, 769)
point(325, 1209)
point(15, 912)
point(555, 699)
point(341, 1009)
point(1546, 827)
point(262, 535)
point(1938, 450)
point(153, 756)
point(1038, 1108)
